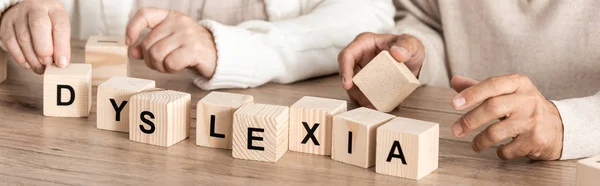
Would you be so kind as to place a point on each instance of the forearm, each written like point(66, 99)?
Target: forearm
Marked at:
point(285, 51)
point(581, 125)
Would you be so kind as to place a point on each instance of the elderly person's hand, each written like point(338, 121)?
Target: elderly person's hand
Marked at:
point(37, 33)
point(176, 41)
point(533, 122)
point(404, 48)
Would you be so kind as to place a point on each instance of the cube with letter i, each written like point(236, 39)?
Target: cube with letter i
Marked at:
point(310, 124)
point(588, 171)
point(407, 148)
point(108, 57)
point(159, 117)
point(215, 118)
point(68, 91)
point(385, 82)
point(260, 132)
point(113, 99)
point(354, 135)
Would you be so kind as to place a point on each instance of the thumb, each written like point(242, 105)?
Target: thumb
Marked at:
point(460, 83)
point(144, 18)
point(410, 51)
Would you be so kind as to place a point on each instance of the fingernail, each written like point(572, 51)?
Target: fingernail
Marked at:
point(457, 130)
point(459, 101)
point(62, 62)
point(343, 80)
point(400, 49)
point(48, 60)
point(26, 66)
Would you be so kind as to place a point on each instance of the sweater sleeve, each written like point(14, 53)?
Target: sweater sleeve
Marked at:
point(301, 41)
point(581, 125)
point(421, 20)
point(5, 4)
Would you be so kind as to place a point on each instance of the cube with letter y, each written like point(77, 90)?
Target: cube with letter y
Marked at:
point(260, 132)
point(588, 171)
point(215, 118)
point(385, 82)
point(159, 117)
point(407, 148)
point(354, 134)
point(68, 91)
point(310, 124)
point(113, 99)
point(108, 57)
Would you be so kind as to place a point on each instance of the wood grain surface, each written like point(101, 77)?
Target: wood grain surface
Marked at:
point(38, 150)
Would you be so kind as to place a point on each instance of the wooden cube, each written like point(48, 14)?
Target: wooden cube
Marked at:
point(108, 57)
point(310, 124)
point(588, 171)
point(407, 148)
point(3, 65)
point(260, 132)
point(215, 118)
point(112, 105)
point(385, 82)
point(68, 91)
point(354, 135)
point(159, 117)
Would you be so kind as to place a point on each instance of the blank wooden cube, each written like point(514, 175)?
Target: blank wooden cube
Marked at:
point(354, 135)
point(215, 118)
point(310, 124)
point(385, 82)
point(108, 57)
point(407, 148)
point(159, 117)
point(113, 101)
point(588, 171)
point(260, 132)
point(3, 66)
point(68, 91)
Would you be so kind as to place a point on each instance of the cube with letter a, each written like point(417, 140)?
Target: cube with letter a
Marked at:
point(159, 117)
point(68, 91)
point(310, 124)
point(407, 148)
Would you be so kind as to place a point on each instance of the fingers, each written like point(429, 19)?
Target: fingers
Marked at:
point(460, 83)
point(357, 95)
point(24, 40)
point(156, 55)
point(41, 34)
point(178, 60)
point(349, 56)
point(488, 88)
point(515, 149)
point(497, 132)
point(10, 41)
point(144, 18)
point(489, 110)
point(159, 51)
point(61, 36)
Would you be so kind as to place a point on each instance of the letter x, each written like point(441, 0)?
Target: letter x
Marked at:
point(310, 133)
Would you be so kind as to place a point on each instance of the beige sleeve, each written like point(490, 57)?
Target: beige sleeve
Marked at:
point(421, 20)
point(581, 126)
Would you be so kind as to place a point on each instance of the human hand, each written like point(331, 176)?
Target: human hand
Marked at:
point(37, 33)
point(176, 42)
point(404, 48)
point(533, 122)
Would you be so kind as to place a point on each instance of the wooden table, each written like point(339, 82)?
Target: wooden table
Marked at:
point(43, 150)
